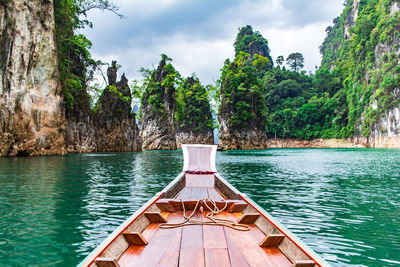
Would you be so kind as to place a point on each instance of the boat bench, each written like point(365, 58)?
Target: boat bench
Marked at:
point(173, 205)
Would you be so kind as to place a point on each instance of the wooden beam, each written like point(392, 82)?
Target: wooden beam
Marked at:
point(135, 238)
point(155, 217)
point(238, 206)
point(106, 262)
point(164, 205)
point(303, 263)
point(272, 240)
point(249, 218)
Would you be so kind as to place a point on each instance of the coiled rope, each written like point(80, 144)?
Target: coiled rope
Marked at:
point(210, 215)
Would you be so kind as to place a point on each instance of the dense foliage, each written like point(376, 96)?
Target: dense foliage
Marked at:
point(193, 111)
point(357, 83)
point(164, 91)
point(241, 94)
point(252, 43)
point(75, 62)
point(362, 53)
point(159, 88)
point(287, 103)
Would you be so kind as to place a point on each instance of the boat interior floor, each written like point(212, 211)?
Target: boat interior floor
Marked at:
point(201, 245)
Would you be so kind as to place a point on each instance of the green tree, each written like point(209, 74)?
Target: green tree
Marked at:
point(242, 98)
point(75, 62)
point(159, 88)
point(280, 60)
point(295, 61)
point(252, 43)
point(193, 110)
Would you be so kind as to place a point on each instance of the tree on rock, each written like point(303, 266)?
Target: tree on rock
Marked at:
point(295, 61)
point(193, 113)
point(280, 60)
point(158, 106)
point(243, 107)
point(252, 43)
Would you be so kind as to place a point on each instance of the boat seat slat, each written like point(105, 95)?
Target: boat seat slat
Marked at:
point(249, 218)
point(238, 206)
point(173, 205)
point(155, 217)
point(272, 240)
point(135, 238)
point(303, 263)
point(106, 262)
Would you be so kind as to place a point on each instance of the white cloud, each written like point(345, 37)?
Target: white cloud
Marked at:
point(199, 35)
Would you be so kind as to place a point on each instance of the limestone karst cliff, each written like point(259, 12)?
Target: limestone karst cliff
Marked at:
point(157, 123)
point(363, 45)
point(194, 122)
point(242, 110)
point(111, 126)
point(32, 120)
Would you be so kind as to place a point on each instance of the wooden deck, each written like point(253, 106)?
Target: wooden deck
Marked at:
point(201, 245)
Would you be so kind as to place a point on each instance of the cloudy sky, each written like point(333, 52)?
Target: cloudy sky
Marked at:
point(199, 34)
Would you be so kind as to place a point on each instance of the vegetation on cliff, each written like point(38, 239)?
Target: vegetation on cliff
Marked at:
point(193, 110)
point(75, 62)
point(159, 88)
point(360, 49)
point(242, 101)
point(356, 85)
point(288, 104)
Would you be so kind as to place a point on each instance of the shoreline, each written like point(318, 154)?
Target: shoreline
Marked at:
point(389, 142)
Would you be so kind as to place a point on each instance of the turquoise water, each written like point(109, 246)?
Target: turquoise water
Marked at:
point(344, 203)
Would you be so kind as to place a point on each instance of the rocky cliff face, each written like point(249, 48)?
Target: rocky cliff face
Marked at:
point(241, 139)
point(190, 137)
point(112, 127)
point(32, 120)
point(364, 45)
point(193, 115)
point(157, 125)
point(242, 111)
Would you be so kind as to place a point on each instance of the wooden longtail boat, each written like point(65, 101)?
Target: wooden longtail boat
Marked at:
point(199, 219)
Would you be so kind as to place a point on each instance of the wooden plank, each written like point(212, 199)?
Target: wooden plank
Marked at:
point(191, 257)
point(155, 217)
point(303, 263)
point(175, 186)
point(106, 262)
point(185, 193)
point(199, 193)
point(248, 248)
point(216, 257)
point(203, 180)
point(235, 257)
point(133, 252)
point(214, 236)
point(287, 246)
point(213, 194)
point(248, 218)
point(192, 235)
point(130, 255)
point(272, 240)
point(135, 238)
point(170, 257)
point(161, 241)
point(164, 205)
point(238, 206)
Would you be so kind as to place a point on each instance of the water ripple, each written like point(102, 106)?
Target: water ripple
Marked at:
point(342, 202)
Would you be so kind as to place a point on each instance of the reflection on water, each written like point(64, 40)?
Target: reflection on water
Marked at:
point(344, 203)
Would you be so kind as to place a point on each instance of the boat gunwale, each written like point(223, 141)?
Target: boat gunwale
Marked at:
point(300, 244)
point(89, 259)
